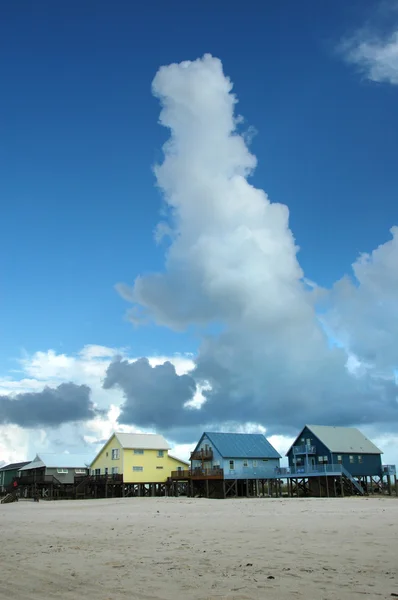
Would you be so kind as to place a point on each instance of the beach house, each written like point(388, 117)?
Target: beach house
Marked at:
point(235, 455)
point(229, 465)
point(8, 473)
point(137, 457)
point(319, 448)
point(53, 475)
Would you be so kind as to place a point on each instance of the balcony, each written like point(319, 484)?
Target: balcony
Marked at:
point(214, 473)
point(309, 470)
point(205, 454)
point(389, 470)
point(304, 449)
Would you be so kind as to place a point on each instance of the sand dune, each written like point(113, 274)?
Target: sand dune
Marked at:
point(172, 549)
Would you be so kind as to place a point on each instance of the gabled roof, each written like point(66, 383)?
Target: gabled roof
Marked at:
point(58, 461)
point(142, 441)
point(342, 439)
point(242, 445)
point(14, 466)
point(138, 441)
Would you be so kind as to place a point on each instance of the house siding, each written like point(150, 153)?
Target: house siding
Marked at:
point(6, 478)
point(66, 478)
point(371, 464)
point(104, 459)
point(264, 468)
point(155, 469)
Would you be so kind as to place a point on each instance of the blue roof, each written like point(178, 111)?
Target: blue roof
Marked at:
point(242, 445)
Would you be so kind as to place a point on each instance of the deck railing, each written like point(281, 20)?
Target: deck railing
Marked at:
point(198, 473)
point(39, 479)
point(108, 477)
point(389, 469)
point(309, 469)
point(304, 449)
point(203, 454)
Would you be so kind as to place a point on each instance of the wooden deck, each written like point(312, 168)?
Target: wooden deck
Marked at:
point(214, 473)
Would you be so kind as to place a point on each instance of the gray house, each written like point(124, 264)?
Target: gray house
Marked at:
point(49, 467)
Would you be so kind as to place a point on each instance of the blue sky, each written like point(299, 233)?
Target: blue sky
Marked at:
point(79, 136)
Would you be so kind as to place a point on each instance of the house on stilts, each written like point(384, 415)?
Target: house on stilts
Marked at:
point(229, 465)
point(131, 464)
point(335, 461)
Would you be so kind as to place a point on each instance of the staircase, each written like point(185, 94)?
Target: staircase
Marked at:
point(9, 498)
point(348, 477)
point(80, 489)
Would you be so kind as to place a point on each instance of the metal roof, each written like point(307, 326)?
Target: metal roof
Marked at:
point(242, 445)
point(58, 461)
point(142, 441)
point(344, 439)
point(14, 466)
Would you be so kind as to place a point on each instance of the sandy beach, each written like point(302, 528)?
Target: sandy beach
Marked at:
point(169, 548)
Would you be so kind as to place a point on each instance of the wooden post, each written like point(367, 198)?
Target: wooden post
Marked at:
point(223, 489)
point(319, 485)
point(334, 486)
point(327, 486)
point(207, 488)
point(342, 487)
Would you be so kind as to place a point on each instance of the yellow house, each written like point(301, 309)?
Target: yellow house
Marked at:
point(139, 457)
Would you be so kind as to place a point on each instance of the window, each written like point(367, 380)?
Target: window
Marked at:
point(106, 470)
point(339, 459)
point(231, 465)
point(360, 458)
point(92, 471)
point(80, 471)
point(351, 459)
point(97, 472)
point(107, 454)
point(245, 463)
point(138, 451)
point(115, 454)
point(138, 469)
point(308, 442)
point(265, 459)
point(254, 463)
point(161, 467)
point(322, 459)
point(115, 470)
point(160, 453)
point(62, 471)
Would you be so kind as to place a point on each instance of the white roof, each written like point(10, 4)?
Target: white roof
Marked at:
point(59, 461)
point(179, 459)
point(344, 439)
point(142, 441)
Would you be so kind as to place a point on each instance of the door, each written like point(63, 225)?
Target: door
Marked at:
point(312, 461)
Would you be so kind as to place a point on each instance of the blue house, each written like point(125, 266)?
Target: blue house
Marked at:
point(319, 448)
point(235, 456)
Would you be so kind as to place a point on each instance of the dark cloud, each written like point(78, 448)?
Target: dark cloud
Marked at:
point(154, 396)
point(50, 408)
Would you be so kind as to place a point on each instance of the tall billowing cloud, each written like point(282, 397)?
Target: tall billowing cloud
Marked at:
point(231, 269)
point(50, 407)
